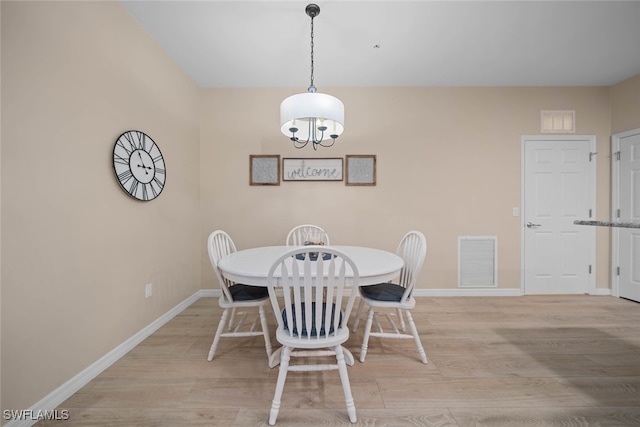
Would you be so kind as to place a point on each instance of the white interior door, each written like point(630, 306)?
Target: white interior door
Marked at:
point(626, 205)
point(558, 188)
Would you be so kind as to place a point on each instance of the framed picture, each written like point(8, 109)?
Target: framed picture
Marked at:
point(361, 169)
point(264, 169)
point(327, 169)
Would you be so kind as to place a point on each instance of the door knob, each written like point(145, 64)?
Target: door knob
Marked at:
point(530, 225)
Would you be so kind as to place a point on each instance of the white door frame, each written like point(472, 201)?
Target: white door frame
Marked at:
point(615, 202)
point(592, 191)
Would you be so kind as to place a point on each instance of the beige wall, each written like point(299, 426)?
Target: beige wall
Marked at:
point(448, 164)
point(76, 250)
point(625, 105)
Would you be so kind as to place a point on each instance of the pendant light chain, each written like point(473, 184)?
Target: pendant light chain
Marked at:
point(312, 88)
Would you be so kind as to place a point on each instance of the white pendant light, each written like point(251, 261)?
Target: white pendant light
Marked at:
point(312, 117)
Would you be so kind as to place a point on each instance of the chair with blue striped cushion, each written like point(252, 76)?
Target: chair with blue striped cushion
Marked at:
point(397, 297)
point(236, 296)
point(307, 234)
point(312, 319)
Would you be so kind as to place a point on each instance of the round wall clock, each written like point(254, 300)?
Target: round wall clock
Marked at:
point(139, 165)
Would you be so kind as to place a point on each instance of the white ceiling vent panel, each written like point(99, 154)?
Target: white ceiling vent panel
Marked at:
point(477, 261)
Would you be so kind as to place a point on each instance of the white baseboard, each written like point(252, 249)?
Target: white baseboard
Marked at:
point(602, 291)
point(210, 293)
point(468, 292)
point(66, 390)
point(485, 292)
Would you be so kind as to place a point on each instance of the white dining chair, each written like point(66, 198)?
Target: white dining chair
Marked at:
point(313, 234)
point(396, 297)
point(236, 297)
point(311, 320)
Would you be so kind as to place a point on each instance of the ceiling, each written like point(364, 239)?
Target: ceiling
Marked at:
point(398, 43)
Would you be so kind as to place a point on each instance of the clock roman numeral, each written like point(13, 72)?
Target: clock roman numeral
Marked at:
point(125, 176)
point(129, 150)
point(153, 190)
point(141, 140)
point(134, 187)
point(119, 159)
point(159, 183)
point(161, 170)
point(129, 137)
point(145, 195)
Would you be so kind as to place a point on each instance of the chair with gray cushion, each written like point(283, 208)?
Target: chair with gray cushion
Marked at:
point(237, 299)
point(395, 297)
point(312, 319)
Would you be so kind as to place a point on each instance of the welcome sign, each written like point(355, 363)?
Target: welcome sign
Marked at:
point(324, 169)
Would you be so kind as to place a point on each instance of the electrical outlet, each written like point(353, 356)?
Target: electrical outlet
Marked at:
point(148, 290)
point(516, 212)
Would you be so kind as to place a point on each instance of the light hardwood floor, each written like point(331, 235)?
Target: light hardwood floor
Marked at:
point(493, 361)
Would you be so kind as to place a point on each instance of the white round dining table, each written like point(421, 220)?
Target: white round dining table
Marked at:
point(251, 266)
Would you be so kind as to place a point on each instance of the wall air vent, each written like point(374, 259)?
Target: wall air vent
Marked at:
point(558, 121)
point(477, 261)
